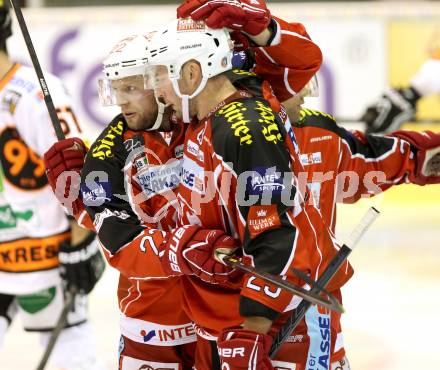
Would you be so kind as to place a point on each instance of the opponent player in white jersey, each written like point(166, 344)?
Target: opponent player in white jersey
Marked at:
point(33, 226)
point(397, 106)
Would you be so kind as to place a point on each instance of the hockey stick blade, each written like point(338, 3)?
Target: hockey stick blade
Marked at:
point(314, 284)
point(61, 323)
point(306, 278)
point(334, 265)
point(312, 297)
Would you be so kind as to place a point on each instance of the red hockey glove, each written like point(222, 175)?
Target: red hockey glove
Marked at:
point(66, 155)
point(427, 144)
point(190, 251)
point(241, 349)
point(241, 42)
point(250, 16)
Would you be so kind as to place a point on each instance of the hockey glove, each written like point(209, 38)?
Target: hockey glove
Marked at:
point(66, 155)
point(394, 109)
point(241, 42)
point(190, 251)
point(81, 265)
point(249, 16)
point(241, 349)
point(427, 144)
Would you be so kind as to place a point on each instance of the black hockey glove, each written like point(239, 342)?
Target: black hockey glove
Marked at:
point(81, 265)
point(395, 107)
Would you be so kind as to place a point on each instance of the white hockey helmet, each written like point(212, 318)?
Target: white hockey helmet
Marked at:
point(127, 59)
point(183, 40)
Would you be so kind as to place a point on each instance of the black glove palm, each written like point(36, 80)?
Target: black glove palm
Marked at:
point(395, 107)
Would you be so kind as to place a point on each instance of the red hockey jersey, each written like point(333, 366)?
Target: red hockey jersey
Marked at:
point(129, 226)
point(239, 174)
point(127, 186)
point(343, 166)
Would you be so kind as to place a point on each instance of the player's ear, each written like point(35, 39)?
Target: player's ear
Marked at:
point(191, 76)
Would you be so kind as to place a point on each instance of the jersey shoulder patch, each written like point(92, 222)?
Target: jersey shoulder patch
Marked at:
point(110, 142)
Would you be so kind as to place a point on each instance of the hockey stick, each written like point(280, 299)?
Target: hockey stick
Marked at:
point(47, 97)
point(70, 295)
point(334, 265)
point(308, 295)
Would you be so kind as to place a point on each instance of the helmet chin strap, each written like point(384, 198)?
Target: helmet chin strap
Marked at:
point(185, 109)
point(160, 109)
point(185, 98)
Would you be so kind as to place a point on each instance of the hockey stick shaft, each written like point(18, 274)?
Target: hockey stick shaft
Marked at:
point(334, 265)
point(311, 296)
point(47, 97)
point(61, 323)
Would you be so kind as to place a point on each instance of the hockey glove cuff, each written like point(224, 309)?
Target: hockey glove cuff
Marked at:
point(396, 107)
point(427, 144)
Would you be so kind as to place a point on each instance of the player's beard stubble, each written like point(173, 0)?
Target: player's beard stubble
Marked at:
point(145, 118)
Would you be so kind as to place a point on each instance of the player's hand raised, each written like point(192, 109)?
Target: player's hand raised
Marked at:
point(63, 162)
point(249, 16)
point(391, 111)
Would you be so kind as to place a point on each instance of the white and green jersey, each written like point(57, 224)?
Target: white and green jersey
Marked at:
point(32, 223)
